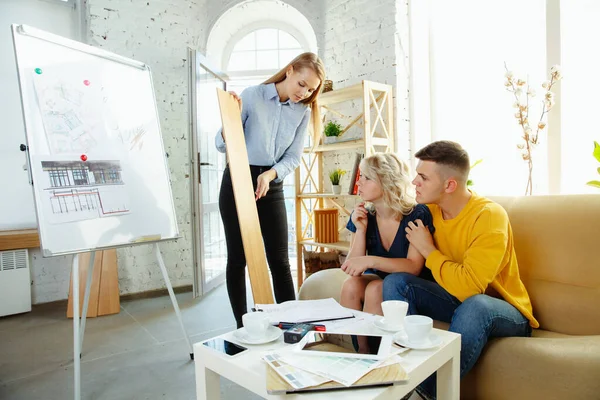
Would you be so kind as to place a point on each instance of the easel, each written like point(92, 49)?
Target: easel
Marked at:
point(76, 174)
point(79, 330)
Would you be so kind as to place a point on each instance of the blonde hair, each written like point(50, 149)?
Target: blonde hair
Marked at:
point(393, 175)
point(312, 61)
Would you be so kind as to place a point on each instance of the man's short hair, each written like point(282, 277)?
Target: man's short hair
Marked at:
point(449, 154)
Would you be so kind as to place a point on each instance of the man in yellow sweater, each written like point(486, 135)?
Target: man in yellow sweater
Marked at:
point(471, 256)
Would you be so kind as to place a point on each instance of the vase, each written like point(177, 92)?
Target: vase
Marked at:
point(330, 139)
point(337, 189)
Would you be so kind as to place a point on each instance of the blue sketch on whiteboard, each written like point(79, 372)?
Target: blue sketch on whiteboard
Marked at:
point(76, 190)
point(72, 113)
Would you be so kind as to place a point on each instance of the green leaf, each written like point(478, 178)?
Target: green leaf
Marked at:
point(469, 183)
point(594, 183)
point(598, 170)
point(477, 163)
point(597, 151)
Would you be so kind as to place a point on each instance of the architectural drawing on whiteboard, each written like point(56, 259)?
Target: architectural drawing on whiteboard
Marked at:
point(71, 112)
point(84, 190)
point(134, 138)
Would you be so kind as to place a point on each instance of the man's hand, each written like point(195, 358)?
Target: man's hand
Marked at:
point(355, 266)
point(262, 183)
point(419, 236)
point(359, 217)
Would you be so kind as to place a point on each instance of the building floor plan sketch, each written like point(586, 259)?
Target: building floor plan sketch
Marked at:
point(71, 105)
point(77, 190)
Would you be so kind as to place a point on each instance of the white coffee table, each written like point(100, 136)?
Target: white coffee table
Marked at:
point(249, 371)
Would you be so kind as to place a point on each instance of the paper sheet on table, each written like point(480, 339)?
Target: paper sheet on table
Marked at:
point(344, 370)
point(305, 311)
point(296, 377)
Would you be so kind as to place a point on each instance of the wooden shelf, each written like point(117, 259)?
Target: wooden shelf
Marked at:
point(340, 95)
point(21, 239)
point(373, 111)
point(342, 246)
point(323, 195)
point(349, 144)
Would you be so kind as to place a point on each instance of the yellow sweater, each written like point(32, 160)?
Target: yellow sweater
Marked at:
point(475, 253)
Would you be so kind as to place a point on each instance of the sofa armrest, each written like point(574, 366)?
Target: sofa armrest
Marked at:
point(323, 284)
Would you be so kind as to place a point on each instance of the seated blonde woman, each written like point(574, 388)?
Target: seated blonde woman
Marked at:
point(379, 246)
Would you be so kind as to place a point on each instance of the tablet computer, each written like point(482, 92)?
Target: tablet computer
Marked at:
point(346, 345)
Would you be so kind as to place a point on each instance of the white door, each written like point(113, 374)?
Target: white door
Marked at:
point(208, 165)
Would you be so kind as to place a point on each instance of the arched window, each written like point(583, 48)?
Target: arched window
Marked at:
point(263, 49)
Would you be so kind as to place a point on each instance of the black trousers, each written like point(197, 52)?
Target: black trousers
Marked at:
point(273, 224)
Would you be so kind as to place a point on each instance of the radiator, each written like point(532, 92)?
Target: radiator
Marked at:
point(15, 282)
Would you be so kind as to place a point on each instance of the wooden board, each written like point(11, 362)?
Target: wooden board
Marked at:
point(104, 291)
point(108, 297)
point(20, 239)
point(243, 192)
point(84, 264)
point(380, 376)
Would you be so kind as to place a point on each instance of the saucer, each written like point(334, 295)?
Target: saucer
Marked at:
point(273, 333)
point(432, 341)
point(380, 323)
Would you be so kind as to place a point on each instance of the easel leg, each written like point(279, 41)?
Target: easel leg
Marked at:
point(86, 298)
point(76, 348)
point(161, 263)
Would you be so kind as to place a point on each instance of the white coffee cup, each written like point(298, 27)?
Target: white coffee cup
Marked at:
point(418, 328)
point(256, 324)
point(394, 312)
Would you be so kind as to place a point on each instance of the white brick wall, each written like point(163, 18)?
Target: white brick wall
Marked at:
point(157, 32)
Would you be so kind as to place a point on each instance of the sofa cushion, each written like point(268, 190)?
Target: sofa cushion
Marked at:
point(546, 366)
point(323, 284)
point(557, 241)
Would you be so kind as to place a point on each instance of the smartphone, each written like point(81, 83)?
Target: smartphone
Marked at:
point(346, 345)
point(225, 346)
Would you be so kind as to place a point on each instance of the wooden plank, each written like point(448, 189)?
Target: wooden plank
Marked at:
point(84, 263)
point(108, 299)
point(19, 239)
point(350, 144)
point(380, 376)
point(340, 95)
point(342, 246)
point(243, 192)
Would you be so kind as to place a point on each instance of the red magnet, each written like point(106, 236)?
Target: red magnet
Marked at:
point(83, 157)
point(86, 82)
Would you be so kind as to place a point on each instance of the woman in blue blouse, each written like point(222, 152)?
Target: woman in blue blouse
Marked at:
point(379, 246)
point(275, 117)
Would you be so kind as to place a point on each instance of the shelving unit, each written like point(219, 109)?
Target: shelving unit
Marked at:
point(376, 121)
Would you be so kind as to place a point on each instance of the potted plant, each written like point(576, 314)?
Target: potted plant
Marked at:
point(334, 177)
point(597, 157)
point(332, 131)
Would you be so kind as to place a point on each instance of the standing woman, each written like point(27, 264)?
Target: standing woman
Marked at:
point(275, 116)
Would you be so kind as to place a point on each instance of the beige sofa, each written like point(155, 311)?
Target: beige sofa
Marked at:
point(557, 240)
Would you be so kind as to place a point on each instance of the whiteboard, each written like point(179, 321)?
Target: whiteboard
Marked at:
point(96, 156)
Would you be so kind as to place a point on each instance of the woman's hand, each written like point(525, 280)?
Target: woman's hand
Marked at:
point(355, 266)
point(235, 96)
point(262, 183)
point(359, 217)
